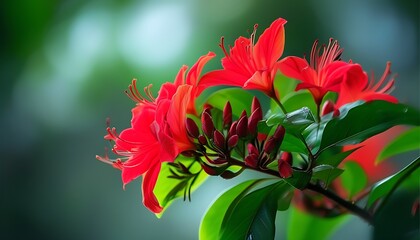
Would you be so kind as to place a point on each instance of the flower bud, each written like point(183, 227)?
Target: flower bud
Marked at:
point(328, 108)
point(192, 128)
point(219, 139)
point(256, 106)
point(242, 127)
point(287, 157)
point(233, 141)
point(279, 133)
point(269, 145)
point(253, 122)
point(212, 171)
point(227, 115)
point(251, 160)
point(285, 170)
point(232, 130)
point(207, 124)
point(202, 140)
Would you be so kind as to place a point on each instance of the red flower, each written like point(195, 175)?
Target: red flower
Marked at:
point(250, 66)
point(158, 132)
point(324, 73)
point(357, 87)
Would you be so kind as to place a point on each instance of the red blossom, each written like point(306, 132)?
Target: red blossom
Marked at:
point(357, 87)
point(323, 73)
point(158, 131)
point(249, 65)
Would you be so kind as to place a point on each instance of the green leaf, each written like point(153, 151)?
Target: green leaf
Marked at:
point(211, 224)
point(354, 178)
point(386, 187)
point(239, 100)
point(297, 100)
point(326, 173)
point(168, 189)
point(299, 179)
point(291, 143)
point(295, 122)
point(284, 85)
point(366, 120)
point(303, 225)
point(253, 217)
point(333, 159)
point(407, 141)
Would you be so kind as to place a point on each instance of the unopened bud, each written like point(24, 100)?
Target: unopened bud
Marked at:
point(251, 160)
point(202, 140)
point(287, 157)
point(207, 124)
point(242, 127)
point(219, 139)
point(279, 133)
point(233, 141)
point(232, 130)
point(285, 170)
point(227, 115)
point(256, 106)
point(328, 108)
point(269, 145)
point(192, 128)
point(253, 121)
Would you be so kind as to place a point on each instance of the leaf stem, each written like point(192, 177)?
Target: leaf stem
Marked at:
point(280, 105)
point(347, 205)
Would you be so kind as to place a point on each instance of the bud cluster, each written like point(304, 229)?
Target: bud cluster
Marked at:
point(219, 147)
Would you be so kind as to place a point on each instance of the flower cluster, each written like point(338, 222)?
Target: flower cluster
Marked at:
point(303, 146)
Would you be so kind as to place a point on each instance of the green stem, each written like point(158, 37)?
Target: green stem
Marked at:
point(280, 105)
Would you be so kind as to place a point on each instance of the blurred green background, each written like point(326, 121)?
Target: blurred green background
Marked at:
point(65, 64)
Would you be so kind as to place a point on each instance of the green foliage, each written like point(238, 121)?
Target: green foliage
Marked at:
point(296, 100)
point(354, 178)
point(408, 141)
point(299, 179)
point(211, 224)
point(253, 217)
point(333, 158)
point(384, 188)
point(172, 184)
point(239, 99)
point(303, 226)
point(371, 118)
point(238, 214)
point(326, 173)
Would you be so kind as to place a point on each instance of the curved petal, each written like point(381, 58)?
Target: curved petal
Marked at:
point(297, 68)
point(262, 81)
point(221, 77)
point(148, 184)
point(180, 77)
point(270, 45)
point(195, 71)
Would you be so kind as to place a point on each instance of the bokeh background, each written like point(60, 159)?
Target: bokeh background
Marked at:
point(65, 64)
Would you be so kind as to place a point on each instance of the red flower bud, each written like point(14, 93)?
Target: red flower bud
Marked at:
point(287, 157)
point(253, 120)
point(269, 145)
point(192, 128)
point(233, 141)
point(279, 133)
point(256, 106)
point(252, 160)
point(285, 170)
point(202, 140)
point(209, 170)
point(219, 139)
point(207, 123)
point(242, 127)
point(227, 115)
point(252, 149)
point(232, 130)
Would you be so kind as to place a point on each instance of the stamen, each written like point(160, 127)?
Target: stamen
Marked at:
point(222, 46)
point(388, 87)
point(134, 94)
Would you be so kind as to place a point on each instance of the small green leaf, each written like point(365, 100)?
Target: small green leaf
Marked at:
point(407, 141)
point(332, 159)
point(354, 178)
point(291, 143)
point(297, 100)
point(358, 123)
point(295, 122)
point(239, 100)
point(299, 179)
point(303, 225)
point(168, 189)
point(211, 224)
point(253, 217)
point(284, 85)
point(326, 173)
point(276, 119)
point(386, 187)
